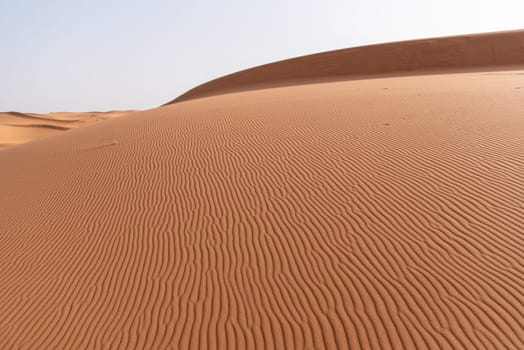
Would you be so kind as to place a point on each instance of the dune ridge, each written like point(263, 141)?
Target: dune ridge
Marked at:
point(474, 51)
point(40, 117)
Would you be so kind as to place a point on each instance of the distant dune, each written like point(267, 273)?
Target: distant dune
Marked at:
point(17, 128)
point(379, 213)
point(469, 52)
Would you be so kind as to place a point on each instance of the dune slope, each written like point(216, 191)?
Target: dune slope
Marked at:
point(469, 52)
point(373, 214)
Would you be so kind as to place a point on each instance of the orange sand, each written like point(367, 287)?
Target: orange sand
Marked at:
point(466, 52)
point(17, 128)
point(383, 213)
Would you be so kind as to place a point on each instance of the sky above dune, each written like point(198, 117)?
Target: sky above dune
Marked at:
point(62, 55)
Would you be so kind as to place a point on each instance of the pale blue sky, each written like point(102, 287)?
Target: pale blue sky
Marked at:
point(59, 55)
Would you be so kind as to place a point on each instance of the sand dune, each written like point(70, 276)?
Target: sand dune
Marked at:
point(381, 213)
point(17, 128)
point(464, 52)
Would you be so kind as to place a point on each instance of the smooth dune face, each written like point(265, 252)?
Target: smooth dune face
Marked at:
point(17, 128)
point(464, 52)
point(372, 214)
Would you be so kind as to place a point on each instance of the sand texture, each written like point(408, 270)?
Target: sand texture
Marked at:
point(383, 213)
point(17, 128)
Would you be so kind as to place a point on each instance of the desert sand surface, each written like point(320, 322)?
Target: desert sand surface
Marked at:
point(379, 213)
point(17, 128)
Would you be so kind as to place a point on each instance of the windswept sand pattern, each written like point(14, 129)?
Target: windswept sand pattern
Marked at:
point(373, 214)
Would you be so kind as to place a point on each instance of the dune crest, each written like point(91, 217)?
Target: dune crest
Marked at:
point(457, 52)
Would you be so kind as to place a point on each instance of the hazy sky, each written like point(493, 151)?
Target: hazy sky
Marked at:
point(67, 55)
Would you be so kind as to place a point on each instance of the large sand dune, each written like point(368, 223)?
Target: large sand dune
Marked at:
point(381, 213)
